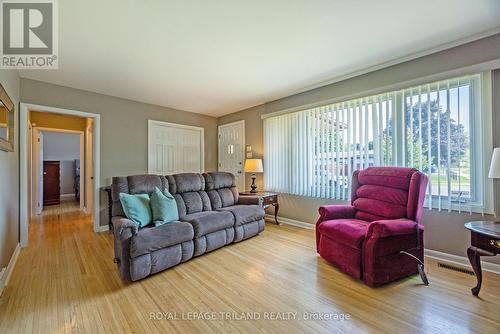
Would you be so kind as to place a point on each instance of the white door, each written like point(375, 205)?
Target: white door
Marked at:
point(232, 150)
point(38, 152)
point(175, 148)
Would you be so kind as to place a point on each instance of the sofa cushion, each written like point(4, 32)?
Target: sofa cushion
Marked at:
point(349, 232)
point(137, 208)
point(218, 180)
point(188, 182)
point(148, 240)
point(188, 190)
point(134, 184)
point(244, 214)
point(163, 207)
point(221, 189)
point(208, 221)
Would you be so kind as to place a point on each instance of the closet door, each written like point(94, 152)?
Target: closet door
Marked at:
point(175, 148)
point(51, 179)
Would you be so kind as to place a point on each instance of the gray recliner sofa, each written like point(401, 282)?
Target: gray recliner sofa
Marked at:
point(211, 215)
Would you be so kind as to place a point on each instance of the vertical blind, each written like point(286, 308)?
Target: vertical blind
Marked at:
point(434, 127)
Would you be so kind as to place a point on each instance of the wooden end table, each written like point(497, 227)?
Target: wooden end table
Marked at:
point(268, 199)
point(110, 206)
point(485, 241)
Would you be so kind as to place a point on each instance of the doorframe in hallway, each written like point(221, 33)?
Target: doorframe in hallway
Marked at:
point(81, 153)
point(24, 110)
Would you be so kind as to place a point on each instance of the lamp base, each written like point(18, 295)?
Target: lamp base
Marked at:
point(253, 186)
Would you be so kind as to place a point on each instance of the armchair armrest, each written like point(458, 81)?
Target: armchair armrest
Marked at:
point(124, 228)
point(389, 228)
point(328, 212)
point(251, 200)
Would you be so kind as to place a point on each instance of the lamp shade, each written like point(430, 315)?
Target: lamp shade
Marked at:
point(253, 166)
point(495, 164)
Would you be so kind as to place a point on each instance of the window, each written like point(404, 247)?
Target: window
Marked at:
point(435, 127)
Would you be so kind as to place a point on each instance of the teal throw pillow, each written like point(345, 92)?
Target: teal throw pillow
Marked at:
point(163, 206)
point(137, 208)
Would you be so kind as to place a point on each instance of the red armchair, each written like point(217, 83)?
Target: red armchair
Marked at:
point(364, 239)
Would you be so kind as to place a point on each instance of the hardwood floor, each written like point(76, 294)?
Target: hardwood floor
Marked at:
point(66, 281)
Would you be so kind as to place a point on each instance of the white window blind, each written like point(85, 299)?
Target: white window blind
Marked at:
point(436, 128)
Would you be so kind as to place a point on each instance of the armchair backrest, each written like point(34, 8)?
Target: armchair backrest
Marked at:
point(380, 193)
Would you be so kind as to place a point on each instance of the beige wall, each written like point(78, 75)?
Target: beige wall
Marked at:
point(123, 127)
point(438, 224)
point(56, 121)
point(9, 180)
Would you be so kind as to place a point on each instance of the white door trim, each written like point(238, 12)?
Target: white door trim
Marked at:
point(179, 126)
point(81, 154)
point(243, 148)
point(23, 165)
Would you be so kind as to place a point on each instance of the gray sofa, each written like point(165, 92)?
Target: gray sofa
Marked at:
point(211, 215)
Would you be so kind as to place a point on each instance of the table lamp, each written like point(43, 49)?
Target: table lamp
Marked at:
point(253, 166)
point(495, 164)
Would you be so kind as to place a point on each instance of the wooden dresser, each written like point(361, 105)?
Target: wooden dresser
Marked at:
point(51, 183)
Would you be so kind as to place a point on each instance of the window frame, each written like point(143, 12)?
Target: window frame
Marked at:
point(481, 141)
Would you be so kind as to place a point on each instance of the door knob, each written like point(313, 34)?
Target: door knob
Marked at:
point(44, 173)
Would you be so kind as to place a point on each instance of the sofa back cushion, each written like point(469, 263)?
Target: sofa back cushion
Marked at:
point(189, 192)
point(134, 184)
point(382, 192)
point(221, 189)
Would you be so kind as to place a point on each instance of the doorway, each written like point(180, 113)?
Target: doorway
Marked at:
point(82, 184)
point(232, 151)
point(57, 164)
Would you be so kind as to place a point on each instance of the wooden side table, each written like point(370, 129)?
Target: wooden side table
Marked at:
point(268, 199)
point(110, 205)
point(485, 241)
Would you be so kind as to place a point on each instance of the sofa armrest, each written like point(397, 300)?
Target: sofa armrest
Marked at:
point(123, 227)
point(251, 200)
point(123, 230)
point(328, 212)
point(389, 228)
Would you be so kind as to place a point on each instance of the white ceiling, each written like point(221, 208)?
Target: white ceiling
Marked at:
point(220, 56)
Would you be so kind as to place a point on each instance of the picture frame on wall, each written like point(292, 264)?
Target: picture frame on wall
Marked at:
point(7, 119)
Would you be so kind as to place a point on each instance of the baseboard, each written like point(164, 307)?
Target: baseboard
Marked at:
point(4, 280)
point(460, 260)
point(292, 222)
point(67, 196)
point(102, 228)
